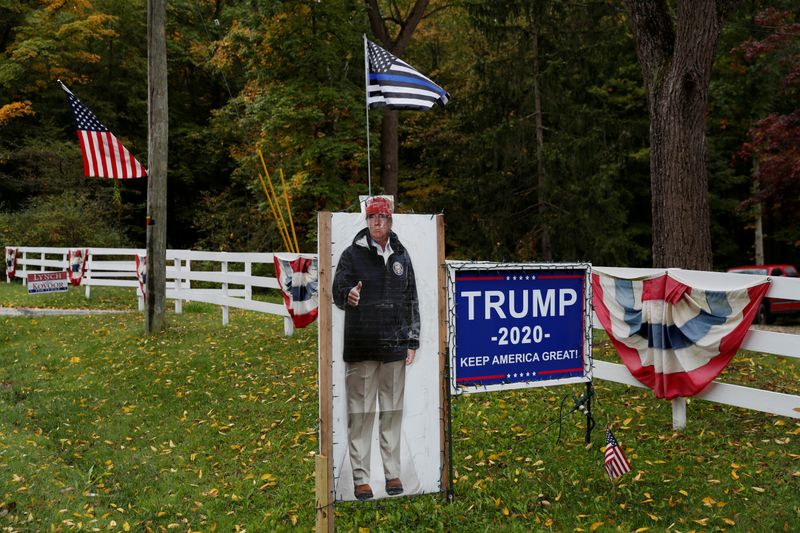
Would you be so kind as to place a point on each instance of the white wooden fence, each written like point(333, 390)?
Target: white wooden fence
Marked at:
point(229, 283)
point(233, 288)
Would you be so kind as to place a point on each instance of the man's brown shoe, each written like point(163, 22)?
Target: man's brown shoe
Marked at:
point(394, 487)
point(364, 492)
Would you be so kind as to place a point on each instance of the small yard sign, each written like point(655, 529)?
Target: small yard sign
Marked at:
point(42, 282)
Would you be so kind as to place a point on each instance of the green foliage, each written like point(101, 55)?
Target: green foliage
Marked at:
point(288, 78)
point(745, 90)
point(63, 220)
point(302, 104)
point(483, 151)
point(233, 224)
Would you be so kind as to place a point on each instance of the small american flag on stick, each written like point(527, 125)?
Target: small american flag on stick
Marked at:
point(103, 155)
point(616, 463)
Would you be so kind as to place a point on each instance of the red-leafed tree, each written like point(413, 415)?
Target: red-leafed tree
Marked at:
point(774, 141)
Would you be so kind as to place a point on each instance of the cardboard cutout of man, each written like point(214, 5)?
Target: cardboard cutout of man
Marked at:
point(374, 284)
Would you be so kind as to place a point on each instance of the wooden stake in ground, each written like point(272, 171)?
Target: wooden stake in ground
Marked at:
point(325, 498)
point(157, 136)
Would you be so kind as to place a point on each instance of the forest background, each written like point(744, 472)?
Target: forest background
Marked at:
point(288, 77)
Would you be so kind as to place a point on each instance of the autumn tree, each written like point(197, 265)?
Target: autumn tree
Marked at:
point(676, 54)
point(773, 142)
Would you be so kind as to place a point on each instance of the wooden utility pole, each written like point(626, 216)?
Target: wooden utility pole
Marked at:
point(157, 135)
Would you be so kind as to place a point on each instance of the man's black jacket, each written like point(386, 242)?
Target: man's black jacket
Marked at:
point(385, 324)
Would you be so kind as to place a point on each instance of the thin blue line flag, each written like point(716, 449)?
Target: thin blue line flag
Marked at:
point(395, 84)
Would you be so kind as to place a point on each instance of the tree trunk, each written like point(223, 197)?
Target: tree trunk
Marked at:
point(542, 200)
point(676, 59)
point(157, 136)
point(759, 236)
point(390, 152)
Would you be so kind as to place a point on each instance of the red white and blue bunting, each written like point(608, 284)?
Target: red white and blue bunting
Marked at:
point(76, 261)
point(11, 261)
point(141, 274)
point(675, 330)
point(298, 278)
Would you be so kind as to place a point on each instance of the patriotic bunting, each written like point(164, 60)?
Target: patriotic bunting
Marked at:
point(298, 278)
point(615, 462)
point(76, 259)
point(11, 261)
point(675, 330)
point(103, 155)
point(141, 274)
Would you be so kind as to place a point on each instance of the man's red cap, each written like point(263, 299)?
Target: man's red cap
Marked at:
point(378, 205)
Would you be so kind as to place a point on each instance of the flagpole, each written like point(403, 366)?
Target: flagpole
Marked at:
point(366, 109)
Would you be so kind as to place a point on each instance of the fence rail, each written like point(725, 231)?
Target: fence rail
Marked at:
point(234, 289)
point(231, 277)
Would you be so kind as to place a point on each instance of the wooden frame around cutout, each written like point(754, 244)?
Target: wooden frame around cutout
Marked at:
point(325, 479)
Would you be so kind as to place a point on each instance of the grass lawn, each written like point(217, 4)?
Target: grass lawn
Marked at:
point(14, 294)
point(213, 428)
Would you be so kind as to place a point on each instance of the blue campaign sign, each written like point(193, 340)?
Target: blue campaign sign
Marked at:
point(519, 325)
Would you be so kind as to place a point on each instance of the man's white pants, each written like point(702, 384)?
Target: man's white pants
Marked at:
point(364, 382)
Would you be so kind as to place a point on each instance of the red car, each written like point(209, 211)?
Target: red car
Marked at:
point(771, 306)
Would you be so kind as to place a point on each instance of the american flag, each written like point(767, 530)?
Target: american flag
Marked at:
point(395, 84)
point(103, 155)
point(616, 463)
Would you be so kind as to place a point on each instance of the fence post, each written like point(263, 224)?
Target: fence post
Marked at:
point(248, 289)
point(288, 326)
point(88, 277)
point(176, 262)
point(679, 413)
point(41, 267)
point(188, 281)
point(225, 294)
point(25, 266)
